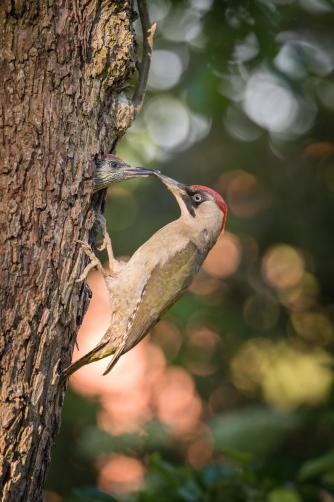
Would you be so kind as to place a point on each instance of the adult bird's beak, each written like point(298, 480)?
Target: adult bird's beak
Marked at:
point(172, 185)
point(138, 171)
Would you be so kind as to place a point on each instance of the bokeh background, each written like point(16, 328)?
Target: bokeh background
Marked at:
point(230, 398)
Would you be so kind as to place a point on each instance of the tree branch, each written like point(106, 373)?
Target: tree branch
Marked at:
point(144, 67)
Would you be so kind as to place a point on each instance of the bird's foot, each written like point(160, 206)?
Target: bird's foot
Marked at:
point(100, 245)
point(88, 250)
point(106, 243)
point(94, 262)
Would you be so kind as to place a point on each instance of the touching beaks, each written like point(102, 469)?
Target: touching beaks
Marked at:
point(174, 186)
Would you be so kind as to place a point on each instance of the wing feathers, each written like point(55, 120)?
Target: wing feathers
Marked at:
point(164, 286)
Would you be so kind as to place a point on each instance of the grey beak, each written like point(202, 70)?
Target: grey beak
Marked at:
point(138, 171)
point(170, 183)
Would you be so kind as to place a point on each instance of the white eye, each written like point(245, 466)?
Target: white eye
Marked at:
point(197, 197)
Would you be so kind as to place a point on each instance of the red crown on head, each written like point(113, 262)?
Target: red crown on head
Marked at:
point(110, 156)
point(218, 199)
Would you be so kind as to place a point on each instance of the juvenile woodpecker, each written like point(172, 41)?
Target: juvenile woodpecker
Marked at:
point(158, 273)
point(112, 169)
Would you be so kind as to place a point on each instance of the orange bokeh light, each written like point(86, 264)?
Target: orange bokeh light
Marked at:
point(177, 404)
point(168, 337)
point(224, 258)
point(49, 496)
point(121, 475)
point(246, 194)
point(318, 150)
point(203, 338)
point(199, 454)
point(283, 266)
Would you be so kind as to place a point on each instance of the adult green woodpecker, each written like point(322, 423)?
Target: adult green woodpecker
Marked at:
point(158, 273)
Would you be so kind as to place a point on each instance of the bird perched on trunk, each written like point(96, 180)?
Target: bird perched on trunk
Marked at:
point(112, 169)
point(158, 273)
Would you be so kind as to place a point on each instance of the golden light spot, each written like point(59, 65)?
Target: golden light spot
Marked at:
point(301, 296)
point(287, 377)
point(260, 312)
point(313, 326)
point(249, 364)
point(283, 266)
point(224, 258)
point(121, 475)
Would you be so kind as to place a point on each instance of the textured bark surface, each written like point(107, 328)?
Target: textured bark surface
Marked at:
point(63, 66)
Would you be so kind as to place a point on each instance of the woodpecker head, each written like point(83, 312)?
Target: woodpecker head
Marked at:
point(112, 169)
point(203, 208)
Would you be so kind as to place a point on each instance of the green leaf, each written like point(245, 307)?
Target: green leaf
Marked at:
point(190, 492)
point(211, 474)
point(328, 478)
point(256, 430)
point(242, 457)
point(317, 466)
point(284, 495)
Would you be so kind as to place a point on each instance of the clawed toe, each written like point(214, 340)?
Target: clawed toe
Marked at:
point(100, 245)
point(84, 245)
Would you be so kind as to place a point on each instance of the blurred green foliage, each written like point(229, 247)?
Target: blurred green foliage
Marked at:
point(241, 99)
point(241, 478)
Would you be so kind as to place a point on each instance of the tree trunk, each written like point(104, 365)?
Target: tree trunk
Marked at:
point(63, 66)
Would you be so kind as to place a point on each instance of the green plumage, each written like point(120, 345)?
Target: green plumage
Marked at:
point(157, 274)
point(164, 287)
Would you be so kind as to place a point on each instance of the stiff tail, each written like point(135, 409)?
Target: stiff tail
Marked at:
point(88, 358)
point(119, 352)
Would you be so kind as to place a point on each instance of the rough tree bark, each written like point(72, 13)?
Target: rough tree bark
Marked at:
point(63, 67)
